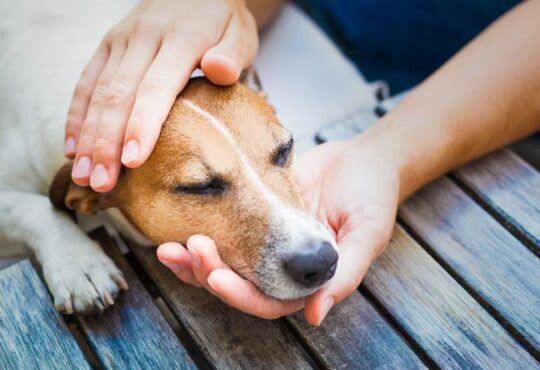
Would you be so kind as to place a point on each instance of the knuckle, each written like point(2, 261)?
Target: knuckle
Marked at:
point(99, 93)
point(147, 25)
point(105, 146)
point(108, 38)
point(181, 34)
point(117, 94)
point(181, 29)
point(136, 121)
point(153, 81)
point(73, 120)
point(120, 43)
point(85, 144)
point(113, 34)
point(83, 87)
point(115, 38)
point(87, 133)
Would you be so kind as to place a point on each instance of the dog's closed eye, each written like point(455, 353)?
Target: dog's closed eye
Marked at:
point(215, 186)
point(283, 153)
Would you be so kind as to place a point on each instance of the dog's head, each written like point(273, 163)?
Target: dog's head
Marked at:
point(222, 167)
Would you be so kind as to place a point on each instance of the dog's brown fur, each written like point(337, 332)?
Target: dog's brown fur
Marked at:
point(190, 151)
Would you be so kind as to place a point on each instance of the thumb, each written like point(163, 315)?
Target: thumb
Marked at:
point(356, 253)
point(235, 51)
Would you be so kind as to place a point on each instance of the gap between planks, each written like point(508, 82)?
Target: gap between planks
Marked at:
point(72, 324)
point(183, 335)
point(514, 332)
point(414, 347)
point(166, 311)
point(413, 344)
point(499, 215)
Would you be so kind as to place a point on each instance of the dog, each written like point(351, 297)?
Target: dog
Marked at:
point(222, 166)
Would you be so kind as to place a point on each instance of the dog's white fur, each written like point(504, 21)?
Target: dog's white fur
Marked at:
point(44, 46)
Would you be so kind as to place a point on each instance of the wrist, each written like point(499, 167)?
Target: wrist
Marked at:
point(398, 140)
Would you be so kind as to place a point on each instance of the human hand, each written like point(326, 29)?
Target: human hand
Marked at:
point(127, 89)
point(347, 186)
point(353, 188)
point(200, 265)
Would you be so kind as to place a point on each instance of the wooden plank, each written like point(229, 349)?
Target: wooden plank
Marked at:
point(228, 338)
point(355, 335)
point(482, 253)
point(437, 313)
point(32, 333)
point(132, 333)
point(510, 188)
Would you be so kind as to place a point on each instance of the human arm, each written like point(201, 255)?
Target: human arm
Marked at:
point(485, 97)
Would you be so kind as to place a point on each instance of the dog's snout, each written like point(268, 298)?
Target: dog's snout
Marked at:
point(312, 265)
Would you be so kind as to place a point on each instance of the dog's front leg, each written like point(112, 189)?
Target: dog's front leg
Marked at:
point(80, 276)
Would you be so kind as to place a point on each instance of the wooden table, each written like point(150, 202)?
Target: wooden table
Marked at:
point(458, 287)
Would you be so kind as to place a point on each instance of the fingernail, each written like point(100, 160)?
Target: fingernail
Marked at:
point(130, 152)
point(195, 258)
point(82, 168)
point(69, 145)
point(173, 266)
point(326, 306)
point(99, 177)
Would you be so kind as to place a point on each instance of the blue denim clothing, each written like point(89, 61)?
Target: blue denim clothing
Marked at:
point(402, 41)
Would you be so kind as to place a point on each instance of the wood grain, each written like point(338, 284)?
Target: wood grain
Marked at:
point(510, 188)
point(228, 338)
point(32, 333)
point(485, 256)
point(355, 335)
point(132, 334)
point(437, 313)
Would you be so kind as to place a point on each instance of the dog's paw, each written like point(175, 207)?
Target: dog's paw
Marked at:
point(84, 284)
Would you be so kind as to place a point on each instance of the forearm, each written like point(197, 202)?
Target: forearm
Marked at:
point(485, 97)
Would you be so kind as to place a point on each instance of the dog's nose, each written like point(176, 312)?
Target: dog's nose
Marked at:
point(312, 266)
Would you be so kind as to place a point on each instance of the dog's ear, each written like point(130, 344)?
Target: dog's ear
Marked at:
point(66, 195)
point(250, 79)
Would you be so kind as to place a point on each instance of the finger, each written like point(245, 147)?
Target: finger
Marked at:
point(157, 92)
point(235, 51)
point(81, 99)
point(117, 105)
point(356, 253)
point(243, 295)
point(85, 143)
point(178, 260)
point(204, 257)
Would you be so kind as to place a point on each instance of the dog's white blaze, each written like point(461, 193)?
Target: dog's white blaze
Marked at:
point(220, 126)
point(295, 223)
